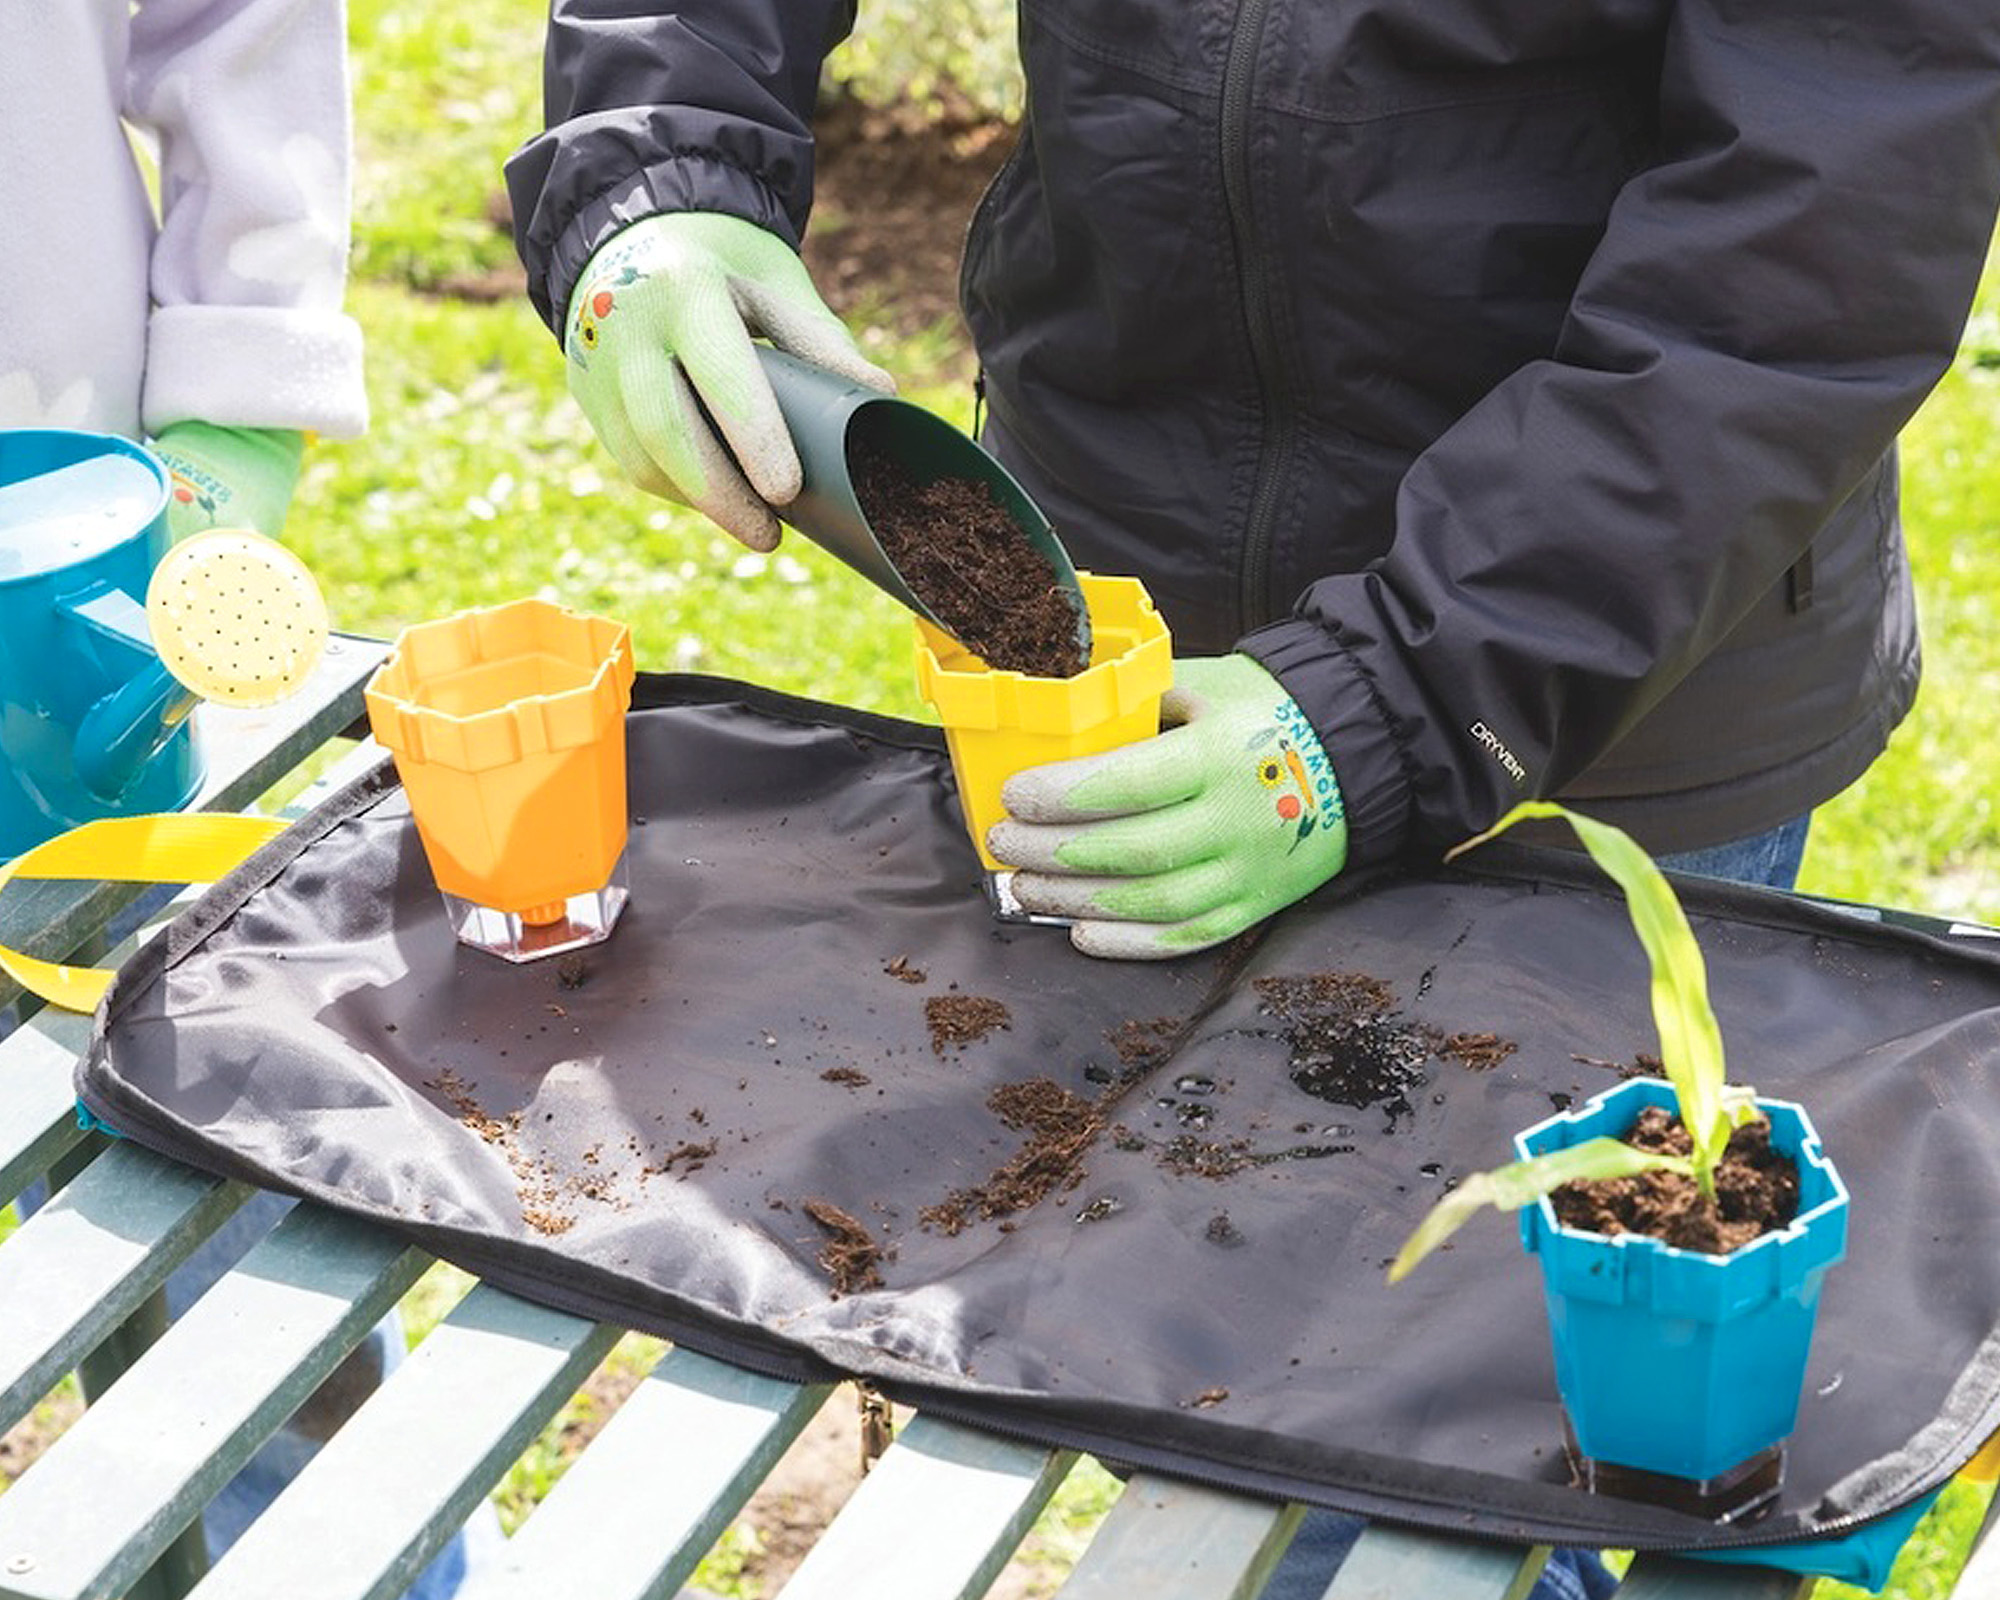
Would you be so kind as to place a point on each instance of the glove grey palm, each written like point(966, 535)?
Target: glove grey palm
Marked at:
point(1183, 840)
point(659, 344)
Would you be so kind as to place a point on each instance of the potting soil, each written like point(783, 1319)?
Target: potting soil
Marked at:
point(1756, 1192)
point(812, 1109)
point(972, 565)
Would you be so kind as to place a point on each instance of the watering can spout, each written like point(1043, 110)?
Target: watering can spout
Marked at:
point(230, 616)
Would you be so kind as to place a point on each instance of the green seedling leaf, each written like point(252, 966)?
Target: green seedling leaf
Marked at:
point(1522, 1183)
point(1690, 1040)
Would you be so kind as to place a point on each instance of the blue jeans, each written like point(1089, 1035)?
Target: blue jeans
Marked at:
point(1772, 859)
point(1325, 1537)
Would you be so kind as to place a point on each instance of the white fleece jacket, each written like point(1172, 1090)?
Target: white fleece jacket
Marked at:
point(226, 308)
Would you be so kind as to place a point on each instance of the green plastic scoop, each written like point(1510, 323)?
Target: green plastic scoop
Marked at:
point(830, 419)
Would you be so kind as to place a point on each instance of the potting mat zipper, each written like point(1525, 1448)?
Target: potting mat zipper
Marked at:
point(648, 1135)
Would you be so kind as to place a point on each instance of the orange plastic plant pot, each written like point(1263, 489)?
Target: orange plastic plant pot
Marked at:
point(998, 723)
point(508, 729)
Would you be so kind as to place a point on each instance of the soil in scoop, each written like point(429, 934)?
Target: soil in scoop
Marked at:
point(1756, 1189)
point(970, 563)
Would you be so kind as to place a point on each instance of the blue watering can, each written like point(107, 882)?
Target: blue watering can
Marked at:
point(101, 660)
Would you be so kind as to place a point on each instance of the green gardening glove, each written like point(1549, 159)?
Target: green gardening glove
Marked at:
point(660, 327)
point(1183, 840)
point(229, 477)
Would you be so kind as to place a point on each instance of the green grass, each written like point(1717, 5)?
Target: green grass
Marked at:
point(443, 94)
point(1920, 829)
point(479, 482)
point(1063, 1531)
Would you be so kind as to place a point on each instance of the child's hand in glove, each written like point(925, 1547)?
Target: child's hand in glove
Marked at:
point(229, 477)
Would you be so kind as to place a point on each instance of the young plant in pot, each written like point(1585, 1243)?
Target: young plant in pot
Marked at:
point(1679, 1363)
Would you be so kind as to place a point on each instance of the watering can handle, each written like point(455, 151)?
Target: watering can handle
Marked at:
point(172, 848)
point(127, 728)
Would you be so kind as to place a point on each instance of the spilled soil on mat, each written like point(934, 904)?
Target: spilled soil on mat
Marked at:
point(548, 1191)
point(1346, 1039)
point(957, 1020)
point(1060, 1128)
point(850, 1258)
point(971, 564)
point(1351, 1045)
point(1756, 1192)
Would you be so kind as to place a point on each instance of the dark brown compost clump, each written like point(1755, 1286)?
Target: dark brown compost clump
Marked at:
point(972, 566)
point(957, 1020)
point(1756, 1192)
point(850, 1257)
point(1059, 1128)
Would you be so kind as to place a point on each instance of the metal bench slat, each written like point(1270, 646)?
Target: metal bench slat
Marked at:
point(391, 1486)
point(37, 1062)
point(84, 1262)
point(1661, 1577)
point(1180, 1541)
point(37, 1103)
point(91, 1515)
point(936, 1519)
point(1396, 1563)
point(650, 1495)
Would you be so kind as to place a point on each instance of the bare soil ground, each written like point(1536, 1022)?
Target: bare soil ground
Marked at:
point(36, 1432)
point(808, 1486)
point(812, 1483)
point(893, 198)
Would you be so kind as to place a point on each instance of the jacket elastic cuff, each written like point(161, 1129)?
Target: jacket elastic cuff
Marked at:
point(691, 181)
point(1354, 728)
point(255, 367)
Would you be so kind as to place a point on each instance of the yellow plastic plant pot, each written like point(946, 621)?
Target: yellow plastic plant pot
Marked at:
point(998, 723)
point(508, 729)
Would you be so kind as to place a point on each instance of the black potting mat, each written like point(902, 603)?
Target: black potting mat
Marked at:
point(644, 1133)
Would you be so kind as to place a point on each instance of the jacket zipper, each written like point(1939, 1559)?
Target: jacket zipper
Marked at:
point(1451, 1520)
point(1280, 422)
point(972, 225)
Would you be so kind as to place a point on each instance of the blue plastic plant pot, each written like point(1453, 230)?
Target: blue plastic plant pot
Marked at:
point(83, 522)
point(1676, 1362)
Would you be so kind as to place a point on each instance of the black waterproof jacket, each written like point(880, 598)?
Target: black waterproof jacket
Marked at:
point(1517, 381)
